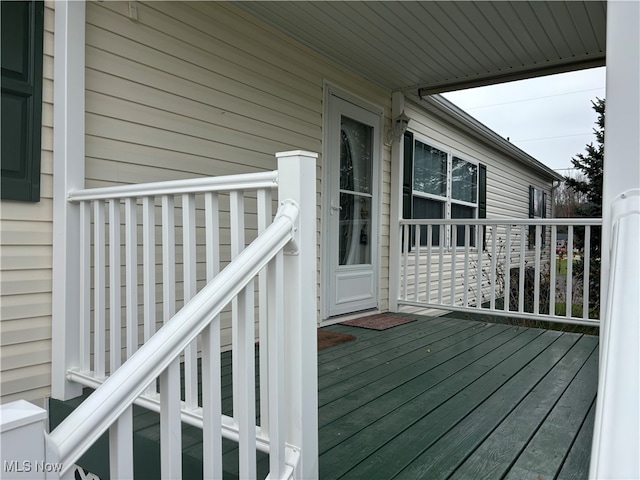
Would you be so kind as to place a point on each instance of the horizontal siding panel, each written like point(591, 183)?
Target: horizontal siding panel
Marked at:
point(25, 330)
point(185, 82)
point(25, 354)
point(16, 257)
point(25, 306)
point(202, 63)
point(148, 136)
point(213, 107)
point(37, 396)
point(19, 282)
point(19, 232)
point(235, 41)
point(26, 378)
point(194, 128)
point(138, 157)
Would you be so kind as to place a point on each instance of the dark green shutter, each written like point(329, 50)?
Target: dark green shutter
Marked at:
point(482, 200)
point(544, 215)
point(22, 35)
point(532, 229)
point(407, 181)
point(407, 176)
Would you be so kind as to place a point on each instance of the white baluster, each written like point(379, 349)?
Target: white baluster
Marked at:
point(211, 396)
point(189, 278)
point(98, 289)
point(131, 274)
point(85, 286)
point(115, 326)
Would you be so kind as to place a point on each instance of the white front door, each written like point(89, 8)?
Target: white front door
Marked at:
point(352, 208)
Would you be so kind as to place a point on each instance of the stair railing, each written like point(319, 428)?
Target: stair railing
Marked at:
point(284, 251)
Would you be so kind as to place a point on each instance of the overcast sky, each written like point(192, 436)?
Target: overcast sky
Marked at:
point(550, 118)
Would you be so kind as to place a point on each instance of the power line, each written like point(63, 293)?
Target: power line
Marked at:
point(550, 138)
point(533, 98)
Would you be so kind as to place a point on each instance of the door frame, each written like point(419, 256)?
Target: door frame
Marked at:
point(331, 90)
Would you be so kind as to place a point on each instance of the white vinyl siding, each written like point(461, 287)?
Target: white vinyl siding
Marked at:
point(25, 262)
point(203, 88)
point(507, 179)
point(189, 89)
point(508, 184)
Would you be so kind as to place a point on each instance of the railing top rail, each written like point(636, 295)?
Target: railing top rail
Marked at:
point(503, 221)
point(227, 183)
point(96, 414)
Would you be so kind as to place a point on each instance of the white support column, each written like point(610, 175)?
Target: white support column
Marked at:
point(68, 175)
point(616, 436)
point(621, 144)
point(397, 164)
point(297, 182)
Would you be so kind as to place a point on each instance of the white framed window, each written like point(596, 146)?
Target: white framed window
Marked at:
point(537, 209)
point(440, 184)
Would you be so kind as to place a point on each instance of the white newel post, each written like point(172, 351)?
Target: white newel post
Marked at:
point(22, 431)
point(68, 175)
point(616, 438)
point(297, 181)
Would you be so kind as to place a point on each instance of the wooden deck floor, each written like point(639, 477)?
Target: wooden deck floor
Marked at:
point(436, 398)
point(448, 398)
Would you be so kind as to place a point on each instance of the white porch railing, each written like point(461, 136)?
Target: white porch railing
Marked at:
point(505, 267)
point(125, 371)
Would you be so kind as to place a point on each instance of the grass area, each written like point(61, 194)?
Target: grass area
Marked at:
point(561, 266)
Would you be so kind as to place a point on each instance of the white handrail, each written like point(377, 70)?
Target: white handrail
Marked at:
point(503, 221)
point(227, 183)
point(98, 412)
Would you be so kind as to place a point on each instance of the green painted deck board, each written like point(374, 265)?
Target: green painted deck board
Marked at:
point(369, 365)
point(490, 420)
point(411, 430)
point(550, 445)
point(576, 464)
point(437, 362)
point(435, 380)
point(394, 342)
point(435, 398)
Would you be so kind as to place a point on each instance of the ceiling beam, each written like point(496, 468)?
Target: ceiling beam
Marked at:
point(528, 71)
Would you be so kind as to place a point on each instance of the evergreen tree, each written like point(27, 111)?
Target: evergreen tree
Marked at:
point(589, 186)
point(590, 164)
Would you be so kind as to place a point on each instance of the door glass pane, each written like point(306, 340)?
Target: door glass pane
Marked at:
point(355, 230)
point(355, 156)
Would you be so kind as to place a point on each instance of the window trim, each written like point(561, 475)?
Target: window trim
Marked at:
point(531, 242)
point(448, 200)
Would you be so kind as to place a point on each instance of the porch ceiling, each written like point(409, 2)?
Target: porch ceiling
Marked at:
point(440, 46)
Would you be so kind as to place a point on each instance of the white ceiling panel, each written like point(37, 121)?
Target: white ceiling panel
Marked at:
point(440, 46)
